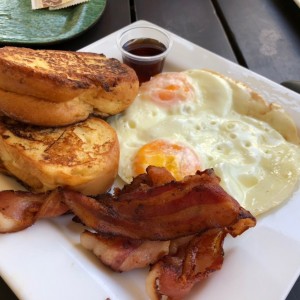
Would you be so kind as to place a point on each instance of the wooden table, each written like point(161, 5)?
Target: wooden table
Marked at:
point(263, 35)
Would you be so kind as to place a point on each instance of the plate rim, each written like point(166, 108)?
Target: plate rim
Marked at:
point(288, 92)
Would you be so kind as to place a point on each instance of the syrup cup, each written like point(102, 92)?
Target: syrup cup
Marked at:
point(144, 48)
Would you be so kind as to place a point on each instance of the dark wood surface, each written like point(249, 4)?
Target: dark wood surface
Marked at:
point(267, 34)
point(193, 20)
point(263, 36)
point(115, 16)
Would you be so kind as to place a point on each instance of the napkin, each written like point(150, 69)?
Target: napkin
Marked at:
point(54, 4)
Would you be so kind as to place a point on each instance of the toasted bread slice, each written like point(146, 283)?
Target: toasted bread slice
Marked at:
point(59, 76)
point(35, 111)
point(83, 156)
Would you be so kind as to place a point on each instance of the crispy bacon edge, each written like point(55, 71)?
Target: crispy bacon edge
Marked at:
point(174, 275)
point(21, 209)
point(188, 259)
point(157, 213)
point(163, 212)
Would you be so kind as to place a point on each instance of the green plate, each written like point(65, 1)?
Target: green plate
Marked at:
point(19, 24)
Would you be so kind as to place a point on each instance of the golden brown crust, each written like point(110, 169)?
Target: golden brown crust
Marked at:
point(40, 73)
point(39, 112)
point(59, 76)
point(113, 101)
point(83, 156)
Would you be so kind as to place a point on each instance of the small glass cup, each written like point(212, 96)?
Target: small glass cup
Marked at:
point(144, 48)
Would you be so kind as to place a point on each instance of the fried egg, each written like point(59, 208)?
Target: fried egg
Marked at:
point(197, 119)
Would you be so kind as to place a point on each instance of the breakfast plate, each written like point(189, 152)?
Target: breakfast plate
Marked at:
point(22, 25)
point(47, 262)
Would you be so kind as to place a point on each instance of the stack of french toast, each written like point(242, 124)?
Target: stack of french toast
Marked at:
point(53, 106)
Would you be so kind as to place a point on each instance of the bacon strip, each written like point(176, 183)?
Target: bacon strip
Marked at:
point(123, 254)
point(178, 227)
point(20, 209)
point(155, 176)
point(174, 275)
point(163, 212)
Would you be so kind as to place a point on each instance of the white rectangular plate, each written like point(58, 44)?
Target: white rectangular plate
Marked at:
point(46, 261)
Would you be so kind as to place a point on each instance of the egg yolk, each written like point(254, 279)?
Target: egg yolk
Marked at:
point(178, 159)
point(168, 88)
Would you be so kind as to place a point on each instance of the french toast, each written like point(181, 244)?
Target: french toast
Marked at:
point(32, 110)
point(83, 156)
point(59, 76)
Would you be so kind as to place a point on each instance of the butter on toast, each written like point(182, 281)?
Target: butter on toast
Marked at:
point(83, 156)
point(59, 76)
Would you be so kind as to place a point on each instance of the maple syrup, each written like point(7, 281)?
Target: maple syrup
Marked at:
point(146, 57)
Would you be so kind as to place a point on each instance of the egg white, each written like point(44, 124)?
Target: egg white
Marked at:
point(256, 164)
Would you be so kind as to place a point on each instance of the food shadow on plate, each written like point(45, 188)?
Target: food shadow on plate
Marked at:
point(131, 283)
point(126, 283)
